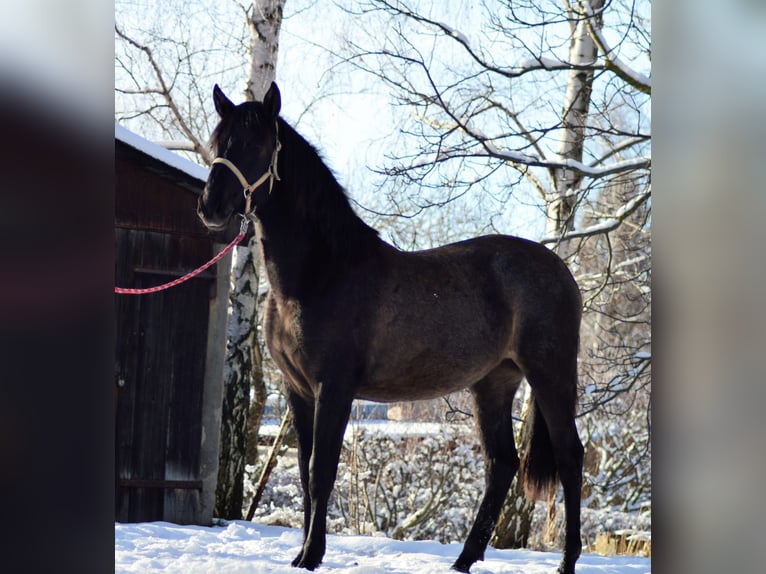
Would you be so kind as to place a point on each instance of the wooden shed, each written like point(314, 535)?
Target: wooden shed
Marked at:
point(170, 344)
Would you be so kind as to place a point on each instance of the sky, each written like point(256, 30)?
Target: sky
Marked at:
point(352, 117)
point(355, 119)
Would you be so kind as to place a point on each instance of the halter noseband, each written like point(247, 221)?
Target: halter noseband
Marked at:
point(270, 174)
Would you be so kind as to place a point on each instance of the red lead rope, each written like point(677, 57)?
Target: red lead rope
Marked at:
point(229, 247)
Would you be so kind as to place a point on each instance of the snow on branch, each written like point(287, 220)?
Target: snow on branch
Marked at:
point(548, 64)
point(607, 225)
point(457, 34)
point(591, 171)
point(596, 170)
point(613, 62)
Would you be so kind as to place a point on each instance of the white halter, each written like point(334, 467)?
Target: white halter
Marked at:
point(270, 174)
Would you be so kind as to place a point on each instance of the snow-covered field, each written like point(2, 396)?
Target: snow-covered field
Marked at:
point(240, 547)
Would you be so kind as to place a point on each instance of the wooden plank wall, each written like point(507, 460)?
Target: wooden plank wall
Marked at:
point(160, 363)
point(162, 341)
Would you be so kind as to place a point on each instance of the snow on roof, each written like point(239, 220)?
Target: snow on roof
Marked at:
point(160, 153)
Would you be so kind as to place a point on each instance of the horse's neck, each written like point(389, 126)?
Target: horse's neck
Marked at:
point(283, 262)
point(309, 233)
point(297, 259)
point(301, 262)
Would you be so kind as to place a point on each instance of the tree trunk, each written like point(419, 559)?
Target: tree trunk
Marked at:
point(238, 377)
point(264, 22)
point(241, 417)
point(515, 522)
point(257, 405)
point(582, 53)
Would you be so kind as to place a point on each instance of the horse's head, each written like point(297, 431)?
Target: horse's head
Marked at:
point(246, 145)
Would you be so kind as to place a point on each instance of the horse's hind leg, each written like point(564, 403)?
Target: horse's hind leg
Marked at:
point(555, 395)
point(493, 402)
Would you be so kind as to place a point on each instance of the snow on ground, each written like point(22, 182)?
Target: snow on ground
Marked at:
point(240, 547)
point(393, 429)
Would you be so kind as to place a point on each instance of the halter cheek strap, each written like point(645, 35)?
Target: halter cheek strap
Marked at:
point(270, 174)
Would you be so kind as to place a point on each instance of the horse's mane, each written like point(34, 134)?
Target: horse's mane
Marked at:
point(318, 198)
point(312, 190)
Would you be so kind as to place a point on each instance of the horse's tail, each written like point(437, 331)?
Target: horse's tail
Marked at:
point(538, 466)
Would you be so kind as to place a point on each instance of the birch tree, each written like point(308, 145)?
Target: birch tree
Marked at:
point(574, 113)
point(244, 357)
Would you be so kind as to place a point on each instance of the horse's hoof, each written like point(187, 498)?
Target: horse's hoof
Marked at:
point(306, 561)
point(306, 565)
point(297, 559)
point(300, 563)
point(460, 566)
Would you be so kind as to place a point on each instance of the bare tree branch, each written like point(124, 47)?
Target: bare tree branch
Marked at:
point(165, 91)
point(613, 62)
point(608, 225)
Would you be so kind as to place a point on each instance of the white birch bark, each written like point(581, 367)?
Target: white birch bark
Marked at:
point(582, 53)
point(264, 22)
point(243, 360)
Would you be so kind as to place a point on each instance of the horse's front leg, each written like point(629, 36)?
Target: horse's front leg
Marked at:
point(303, 423)
point(331, 411)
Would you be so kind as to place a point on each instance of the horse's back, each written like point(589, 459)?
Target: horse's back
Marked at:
point(523, 270)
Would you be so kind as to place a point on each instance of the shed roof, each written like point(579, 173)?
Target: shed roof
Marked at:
point(155, 157)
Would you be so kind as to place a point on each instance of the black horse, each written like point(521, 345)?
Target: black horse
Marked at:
point(349, 316)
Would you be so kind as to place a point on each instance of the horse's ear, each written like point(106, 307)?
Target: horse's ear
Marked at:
point(272, 101)
point(223, 105)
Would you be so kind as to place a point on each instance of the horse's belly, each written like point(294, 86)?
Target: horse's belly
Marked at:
point(409, 390)
point(421, 380)
point(430, 354)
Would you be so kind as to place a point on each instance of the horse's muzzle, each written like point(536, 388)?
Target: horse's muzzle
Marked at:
point(213, 222)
